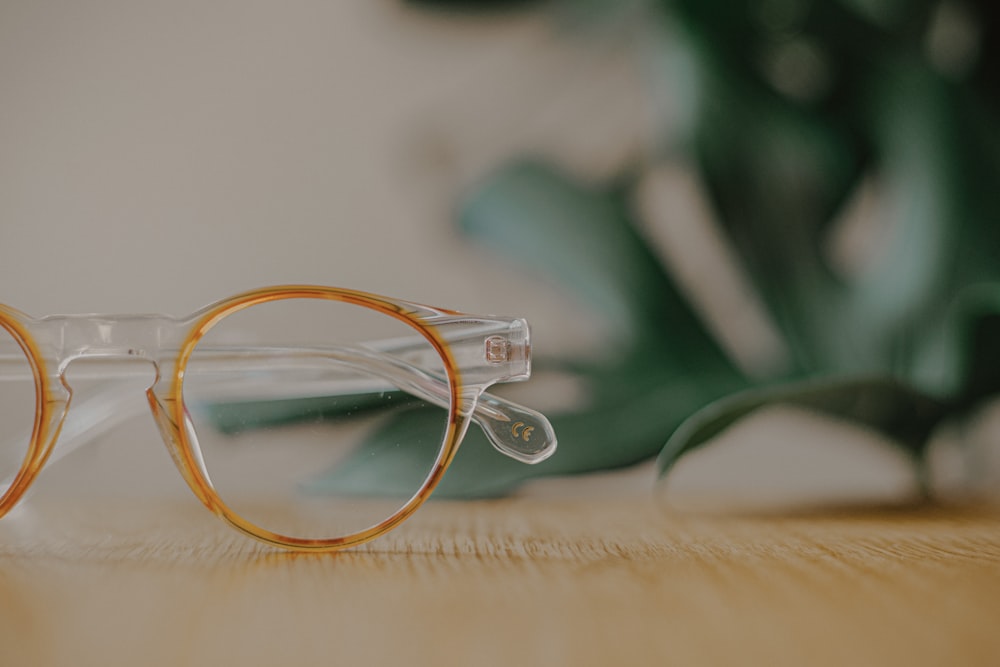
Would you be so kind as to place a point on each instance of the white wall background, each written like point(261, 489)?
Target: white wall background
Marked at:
point(155, 156)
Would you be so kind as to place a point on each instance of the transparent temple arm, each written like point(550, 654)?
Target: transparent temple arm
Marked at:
point(517, 431)
point(514, 430)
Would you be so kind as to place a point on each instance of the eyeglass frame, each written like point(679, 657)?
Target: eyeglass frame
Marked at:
point(476, 351)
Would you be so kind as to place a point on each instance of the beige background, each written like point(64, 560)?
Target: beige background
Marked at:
point(159, 155)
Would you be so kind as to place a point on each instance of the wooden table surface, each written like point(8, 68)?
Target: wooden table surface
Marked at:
point(526, 581)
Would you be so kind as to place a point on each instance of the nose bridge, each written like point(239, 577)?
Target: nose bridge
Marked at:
point(113, 337)
point(95, 347)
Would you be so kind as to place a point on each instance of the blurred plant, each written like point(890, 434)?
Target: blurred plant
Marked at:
point(789, 106)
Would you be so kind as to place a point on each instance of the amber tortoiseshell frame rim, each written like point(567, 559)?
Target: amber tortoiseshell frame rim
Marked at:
point(193, 471)
point(41, 441)
point(171, 415)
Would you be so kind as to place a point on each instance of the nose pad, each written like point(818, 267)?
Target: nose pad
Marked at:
point(188, 460)
point(521, 433)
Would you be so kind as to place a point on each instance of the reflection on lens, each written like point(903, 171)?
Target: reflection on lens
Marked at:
point(306, 425)
point(17, 407)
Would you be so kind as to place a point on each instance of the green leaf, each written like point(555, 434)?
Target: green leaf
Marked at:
point(882, 404)
point(393, 460)
point(394, 456)
point(237, 416)
point(780, 167)
point(976, 345)
point(900, 412)
point(584, 239)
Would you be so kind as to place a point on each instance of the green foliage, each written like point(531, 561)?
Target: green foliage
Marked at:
point(792, 105)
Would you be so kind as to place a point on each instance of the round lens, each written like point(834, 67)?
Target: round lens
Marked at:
point(17, 407)
point(316, 418)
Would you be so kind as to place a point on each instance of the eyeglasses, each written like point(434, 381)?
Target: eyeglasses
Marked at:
point(283, 407)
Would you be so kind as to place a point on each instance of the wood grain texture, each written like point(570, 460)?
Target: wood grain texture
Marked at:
point(519, 581)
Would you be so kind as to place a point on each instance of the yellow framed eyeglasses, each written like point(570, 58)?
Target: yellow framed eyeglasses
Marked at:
point(280, 405)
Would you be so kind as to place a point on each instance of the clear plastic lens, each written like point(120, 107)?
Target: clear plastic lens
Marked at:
point(17, 407)
point(308, 424)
